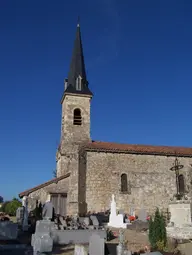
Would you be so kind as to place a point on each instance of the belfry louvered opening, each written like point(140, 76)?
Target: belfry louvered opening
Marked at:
point(77, 119)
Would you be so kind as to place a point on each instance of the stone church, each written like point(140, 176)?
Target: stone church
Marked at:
point(89, 172)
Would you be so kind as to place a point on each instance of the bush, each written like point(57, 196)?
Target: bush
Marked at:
point(10, 207)
point(110, 235)
point(4, 206)
point(157, 231)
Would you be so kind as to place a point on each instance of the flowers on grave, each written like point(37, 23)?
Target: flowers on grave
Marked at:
point(115, 234)
point(132, 218)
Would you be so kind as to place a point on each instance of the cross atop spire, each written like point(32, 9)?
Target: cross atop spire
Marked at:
point(78, 21)
point(77, 80)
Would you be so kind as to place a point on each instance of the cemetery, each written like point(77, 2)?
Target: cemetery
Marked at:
point(98, 233)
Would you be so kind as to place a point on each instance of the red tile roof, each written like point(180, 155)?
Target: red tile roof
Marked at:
point(55, 180)
point(139, 149)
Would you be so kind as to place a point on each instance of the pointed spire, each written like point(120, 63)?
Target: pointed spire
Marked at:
point(77, 79)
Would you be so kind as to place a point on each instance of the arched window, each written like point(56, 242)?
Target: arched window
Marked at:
point(77, 120)
point(124, 186)
point(181, 183)
point(78, 83)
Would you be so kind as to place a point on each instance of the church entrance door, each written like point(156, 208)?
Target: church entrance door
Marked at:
point(60, 203)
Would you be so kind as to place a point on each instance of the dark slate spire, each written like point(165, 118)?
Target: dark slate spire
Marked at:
point(77, 81)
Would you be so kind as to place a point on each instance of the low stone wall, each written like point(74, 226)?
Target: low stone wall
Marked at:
point(75, 236)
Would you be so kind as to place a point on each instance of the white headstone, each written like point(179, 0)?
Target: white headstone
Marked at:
point(116, 221)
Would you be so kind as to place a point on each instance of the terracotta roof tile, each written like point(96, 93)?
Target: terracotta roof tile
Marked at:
point(139, 149)
point(55, 180)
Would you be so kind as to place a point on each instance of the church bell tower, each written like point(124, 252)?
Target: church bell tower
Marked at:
point(76, 99)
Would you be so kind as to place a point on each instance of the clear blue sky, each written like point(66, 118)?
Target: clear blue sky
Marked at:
point(138, 57)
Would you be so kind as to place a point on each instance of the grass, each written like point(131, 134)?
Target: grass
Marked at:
point(13, 218)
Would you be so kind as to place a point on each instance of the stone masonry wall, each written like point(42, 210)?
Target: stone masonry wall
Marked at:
point(71, 133)
point(72, 137)
point(150, 181)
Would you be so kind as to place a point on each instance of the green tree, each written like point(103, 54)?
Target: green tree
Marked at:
point(1, 199)
point(163, 230)
point(157, 231)
point(4, 206)
point(11, 207)
point(151, 233)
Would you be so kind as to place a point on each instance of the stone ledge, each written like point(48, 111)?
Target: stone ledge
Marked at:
point(179, 232)
point(180, 202)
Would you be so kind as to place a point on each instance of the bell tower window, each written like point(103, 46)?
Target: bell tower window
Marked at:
point(77, 119)
point(78, 83)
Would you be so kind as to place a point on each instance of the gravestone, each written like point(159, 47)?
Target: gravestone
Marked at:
point(96, 245)
point(86, 221)
point(111, 248)
point(25, 216)
point(80, 250)
point(63, 223)
point(142, 216)
point(94, 221)
point(48, 210)
point(20, 215)
point(41, 241)
point(132, 211)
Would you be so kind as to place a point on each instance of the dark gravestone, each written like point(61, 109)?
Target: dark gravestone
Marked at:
point(111, 248)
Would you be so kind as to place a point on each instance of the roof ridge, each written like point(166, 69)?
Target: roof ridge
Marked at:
point(139, 149)
point(138, 144)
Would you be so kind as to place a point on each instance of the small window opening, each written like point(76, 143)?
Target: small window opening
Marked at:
point(77, 119)
point(78, 83)
point(124, 186)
